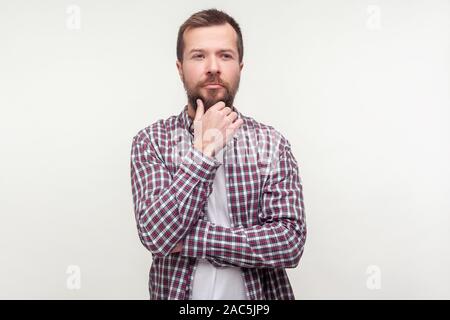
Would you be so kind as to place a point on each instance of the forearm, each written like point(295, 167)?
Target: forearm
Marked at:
point(164, 216)
point(272, 245)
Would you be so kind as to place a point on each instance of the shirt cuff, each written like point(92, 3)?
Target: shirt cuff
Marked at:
point(199, 165)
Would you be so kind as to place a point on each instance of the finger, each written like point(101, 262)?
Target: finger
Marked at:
point(226, 111)
point(232, 116)
point(200, 110)
point(218, 106)
point(236, 124)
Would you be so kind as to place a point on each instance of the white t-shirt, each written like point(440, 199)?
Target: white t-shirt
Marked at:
point(211, 283)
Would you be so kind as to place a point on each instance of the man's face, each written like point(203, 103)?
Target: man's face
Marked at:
point(210, 69)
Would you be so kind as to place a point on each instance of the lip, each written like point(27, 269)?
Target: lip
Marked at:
point(213, 86)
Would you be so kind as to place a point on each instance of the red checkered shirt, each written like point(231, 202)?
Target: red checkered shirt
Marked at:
point(171, 182)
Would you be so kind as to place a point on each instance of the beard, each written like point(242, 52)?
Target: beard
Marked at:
point(226, 93)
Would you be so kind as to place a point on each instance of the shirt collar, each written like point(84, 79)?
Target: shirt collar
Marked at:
point(187, 121)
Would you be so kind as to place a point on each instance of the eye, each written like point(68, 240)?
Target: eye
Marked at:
point(197, 56)
point(227, 56)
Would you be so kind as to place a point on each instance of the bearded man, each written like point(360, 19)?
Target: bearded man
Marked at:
point(217, 195)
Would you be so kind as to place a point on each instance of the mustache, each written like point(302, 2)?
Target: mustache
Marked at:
point(214, 80)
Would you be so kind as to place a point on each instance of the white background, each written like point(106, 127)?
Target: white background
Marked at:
point(360, 89)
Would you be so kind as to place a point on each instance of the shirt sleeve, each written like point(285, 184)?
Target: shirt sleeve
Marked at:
point(166, 206)
point(277, 242)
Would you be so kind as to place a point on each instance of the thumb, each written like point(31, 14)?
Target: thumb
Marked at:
point(200, 110)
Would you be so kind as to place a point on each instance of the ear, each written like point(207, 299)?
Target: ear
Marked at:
point(241, 65)
point(180, 68)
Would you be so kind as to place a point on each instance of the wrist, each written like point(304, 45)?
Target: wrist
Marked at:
point(205, 149)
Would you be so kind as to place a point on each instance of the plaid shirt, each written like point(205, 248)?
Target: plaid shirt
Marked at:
point(171, 182)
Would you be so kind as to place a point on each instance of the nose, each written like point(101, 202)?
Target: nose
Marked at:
point(213, 67)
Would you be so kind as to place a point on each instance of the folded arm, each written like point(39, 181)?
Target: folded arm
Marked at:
point(277, 242)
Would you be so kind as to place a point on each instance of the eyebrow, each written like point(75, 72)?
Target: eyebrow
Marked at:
point(202, 50)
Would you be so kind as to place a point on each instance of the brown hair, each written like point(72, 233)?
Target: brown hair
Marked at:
point(206, 18)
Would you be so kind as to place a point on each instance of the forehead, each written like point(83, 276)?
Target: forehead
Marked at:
point(211, 37)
